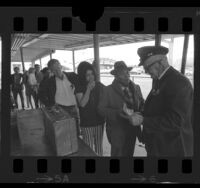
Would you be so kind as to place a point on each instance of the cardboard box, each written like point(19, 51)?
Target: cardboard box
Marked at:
point(30, 125)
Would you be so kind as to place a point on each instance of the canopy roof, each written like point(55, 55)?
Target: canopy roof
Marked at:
point(36, 46)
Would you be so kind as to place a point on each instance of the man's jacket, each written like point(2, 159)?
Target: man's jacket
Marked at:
point(167, 122)
point(47, 90)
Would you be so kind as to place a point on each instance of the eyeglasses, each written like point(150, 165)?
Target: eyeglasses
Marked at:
point(148, 67)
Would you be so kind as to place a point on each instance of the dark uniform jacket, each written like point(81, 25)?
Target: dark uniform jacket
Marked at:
point(167, 122)
point(47, 91)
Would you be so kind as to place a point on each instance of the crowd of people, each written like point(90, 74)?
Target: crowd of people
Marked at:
point(163, 122)
point(29, 82)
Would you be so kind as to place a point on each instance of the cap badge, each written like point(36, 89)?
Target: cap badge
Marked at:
point(149, 54)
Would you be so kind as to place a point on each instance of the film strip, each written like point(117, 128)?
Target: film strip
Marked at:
point(48, 169)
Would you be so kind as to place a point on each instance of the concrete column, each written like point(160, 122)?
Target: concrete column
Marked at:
point(40, 63)
point(22, 59)
point(73, 61)
point(157, 39)
point(33, 63)
point(96, 55)
point(184, 56)
point(171, 47)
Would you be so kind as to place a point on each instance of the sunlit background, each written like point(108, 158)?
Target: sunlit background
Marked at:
point(125, 52)
point(128, 53)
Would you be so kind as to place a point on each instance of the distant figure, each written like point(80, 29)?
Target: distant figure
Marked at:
point(46, 75)
point(17, 86)
point(33, 86)
point(27, 87)
point(39, 77)
point(88, 94)
point(94, 67)
point(38, 73)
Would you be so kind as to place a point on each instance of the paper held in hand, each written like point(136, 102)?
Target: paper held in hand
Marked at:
point(127, 110)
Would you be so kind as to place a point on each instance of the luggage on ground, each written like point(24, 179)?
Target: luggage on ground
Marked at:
point(30, 125)
point(60, 130)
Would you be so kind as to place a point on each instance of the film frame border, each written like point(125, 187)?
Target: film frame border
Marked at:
point(120, 167)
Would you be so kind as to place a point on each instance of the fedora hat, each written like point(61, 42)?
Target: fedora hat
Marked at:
point(118, 66)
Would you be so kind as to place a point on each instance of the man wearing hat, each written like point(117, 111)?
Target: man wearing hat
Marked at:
point(121, 94)
point(167, 116)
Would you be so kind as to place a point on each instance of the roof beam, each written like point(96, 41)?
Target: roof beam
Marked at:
point(102, 40)
point(87, 43)
point(43, 54)
point(43, 36)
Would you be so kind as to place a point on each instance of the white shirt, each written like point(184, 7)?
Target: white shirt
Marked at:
point(32, 79)
point(64, 93)
point(163, 73)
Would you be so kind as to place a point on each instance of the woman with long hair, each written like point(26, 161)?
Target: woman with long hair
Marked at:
point(88, 93)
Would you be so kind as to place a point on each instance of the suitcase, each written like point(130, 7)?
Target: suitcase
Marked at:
point(30, 124)
point(60, 131)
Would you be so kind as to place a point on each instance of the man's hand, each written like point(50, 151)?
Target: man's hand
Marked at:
point(135, 119)
point(127, 111)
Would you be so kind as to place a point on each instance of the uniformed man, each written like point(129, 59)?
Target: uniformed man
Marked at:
point(167, 116)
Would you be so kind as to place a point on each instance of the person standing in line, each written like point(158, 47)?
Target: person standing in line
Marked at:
point(33, 87)
point(27, 88)
point(59, 88)
point(17, 86)
point(88, 94)
point(38, 73)
point(46, 75)
point(39, 77)
point(122, 95)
